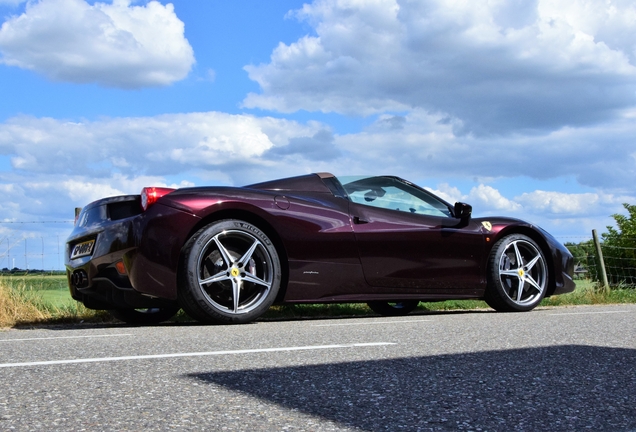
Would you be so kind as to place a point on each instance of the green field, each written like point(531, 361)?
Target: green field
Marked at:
point(50, 294)
point(52, 289)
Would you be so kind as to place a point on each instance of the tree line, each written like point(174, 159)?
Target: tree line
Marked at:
point(619, 251)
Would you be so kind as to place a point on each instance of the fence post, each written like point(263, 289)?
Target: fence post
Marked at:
point(601, 261)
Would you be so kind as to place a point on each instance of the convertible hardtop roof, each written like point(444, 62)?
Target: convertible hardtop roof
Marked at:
point(305, 183)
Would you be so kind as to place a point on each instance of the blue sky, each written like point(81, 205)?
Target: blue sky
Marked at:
point(523, 108)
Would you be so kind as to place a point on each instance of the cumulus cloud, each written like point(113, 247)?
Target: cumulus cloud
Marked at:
point(565, 204)
point(447, 192)
point(491, 68)
point(598, 156)
point(81, 190)
point(113, 45)
point(565, 213)
point(58, 165)
point(319, 147)
point(492, 198)
point(53, 197)
point(163, 145)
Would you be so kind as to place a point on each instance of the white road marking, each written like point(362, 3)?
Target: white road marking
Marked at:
point(590, 313)
point(65, 337)
point(194, 354)
point(369, 323)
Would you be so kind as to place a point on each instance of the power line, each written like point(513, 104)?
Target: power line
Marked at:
point(36, 222)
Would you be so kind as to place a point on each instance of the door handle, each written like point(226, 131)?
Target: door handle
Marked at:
point(358, 221)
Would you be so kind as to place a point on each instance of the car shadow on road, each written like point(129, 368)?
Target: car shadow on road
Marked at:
point(570, 387)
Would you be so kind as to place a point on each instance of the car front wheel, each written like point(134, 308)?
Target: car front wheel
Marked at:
point(230, 273)
point(517, 274)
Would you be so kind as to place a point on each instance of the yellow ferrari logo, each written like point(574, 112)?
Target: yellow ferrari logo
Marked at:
point(521, 273)
point(234, 272)
point(487, 225)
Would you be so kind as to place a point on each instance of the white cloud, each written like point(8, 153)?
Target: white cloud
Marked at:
point(491, 198)
point(492, 67)
point(557, 202)
point(114, 45)
point(447, 192)
point(59, 165)
point(79, 190)
point(163, 145)
point(245, 147)
point(418, 145)
point(572, 216)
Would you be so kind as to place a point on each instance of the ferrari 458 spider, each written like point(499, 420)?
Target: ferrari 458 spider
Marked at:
point(226, 254)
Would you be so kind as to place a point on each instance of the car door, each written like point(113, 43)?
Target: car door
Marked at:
point(409, 241)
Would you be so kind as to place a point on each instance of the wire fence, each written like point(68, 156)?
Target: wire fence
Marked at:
point(32, 253)
point(620, 270)
point(604, 262)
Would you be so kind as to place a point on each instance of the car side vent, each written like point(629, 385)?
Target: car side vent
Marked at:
point(124, 209)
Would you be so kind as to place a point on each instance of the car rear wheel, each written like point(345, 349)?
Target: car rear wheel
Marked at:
point(518, 274)
point(397, 308)
point(230, 273)
point(145, 316)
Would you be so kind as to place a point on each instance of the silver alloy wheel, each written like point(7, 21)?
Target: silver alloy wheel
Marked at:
point(235, 272)
point(522, 272)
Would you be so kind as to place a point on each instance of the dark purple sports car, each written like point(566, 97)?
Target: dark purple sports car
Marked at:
point(226, 254)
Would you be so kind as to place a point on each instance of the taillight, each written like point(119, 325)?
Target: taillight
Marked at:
point(150, 195)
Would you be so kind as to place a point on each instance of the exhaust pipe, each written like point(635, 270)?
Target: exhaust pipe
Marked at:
point(79, 279)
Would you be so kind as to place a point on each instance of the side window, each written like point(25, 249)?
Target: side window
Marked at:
point(397, 196)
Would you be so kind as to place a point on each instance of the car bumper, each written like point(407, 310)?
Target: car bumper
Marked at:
point(122, 271)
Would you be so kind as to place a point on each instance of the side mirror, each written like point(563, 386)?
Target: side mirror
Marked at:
point(463, 211)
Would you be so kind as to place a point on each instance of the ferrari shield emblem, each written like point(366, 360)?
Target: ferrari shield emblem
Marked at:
point(487, 225)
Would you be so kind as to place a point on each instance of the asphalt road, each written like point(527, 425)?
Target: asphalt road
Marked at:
point(550, 369)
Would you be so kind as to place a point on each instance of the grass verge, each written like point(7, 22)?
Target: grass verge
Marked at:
point(44, 299)
point(39, 299)
point(589, 293)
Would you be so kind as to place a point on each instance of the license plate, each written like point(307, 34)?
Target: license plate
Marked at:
point(83, 249)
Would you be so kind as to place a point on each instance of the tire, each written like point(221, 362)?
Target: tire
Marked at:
point(230, 273)
point(399, 308)
point(517, 274)
point(145, 316)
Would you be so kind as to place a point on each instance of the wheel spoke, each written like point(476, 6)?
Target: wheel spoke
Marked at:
point(220, 276)
point(518, 255)
point(236, 292)
point(224, 253)
point(252, 278)
point(531, 264)
point(520, 289)
point(248, 254)
point(534, 283)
